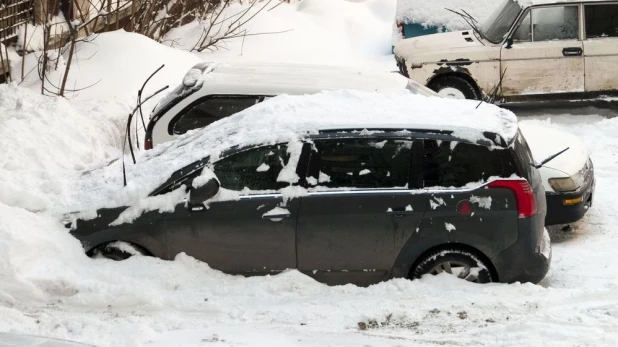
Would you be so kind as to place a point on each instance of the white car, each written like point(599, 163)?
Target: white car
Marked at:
point(526, 51)
point(213, 91)
point(568, 179)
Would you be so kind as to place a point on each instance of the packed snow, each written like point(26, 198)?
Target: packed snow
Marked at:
point(48, 286)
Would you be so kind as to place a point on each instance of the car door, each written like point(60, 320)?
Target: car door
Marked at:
point(601, 47)
point(546, 56)
point(248, 227)
point(361, 209)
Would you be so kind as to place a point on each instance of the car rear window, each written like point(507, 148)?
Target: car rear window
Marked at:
point(453, 164)
point(209, 110)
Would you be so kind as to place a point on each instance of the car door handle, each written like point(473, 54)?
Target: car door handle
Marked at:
point(276, 217)
point(572, 51)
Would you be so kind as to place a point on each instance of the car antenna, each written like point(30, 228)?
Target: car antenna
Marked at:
point(139, 101)
point(128, 133)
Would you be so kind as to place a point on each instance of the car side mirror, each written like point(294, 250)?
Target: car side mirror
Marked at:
point(509, 43)
point(204, 192)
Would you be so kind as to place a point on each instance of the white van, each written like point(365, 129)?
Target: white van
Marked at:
point(526, 51)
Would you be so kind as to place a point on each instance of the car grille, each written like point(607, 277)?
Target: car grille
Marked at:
point(401, 64)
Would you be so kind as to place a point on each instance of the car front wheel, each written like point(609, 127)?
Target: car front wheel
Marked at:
point(460, 263)
point(454, 87)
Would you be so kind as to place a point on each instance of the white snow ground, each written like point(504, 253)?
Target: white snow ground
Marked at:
point(49, 287)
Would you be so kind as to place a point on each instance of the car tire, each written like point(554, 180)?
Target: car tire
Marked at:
point(454, 87)
point(460, 263)
point(117, 250)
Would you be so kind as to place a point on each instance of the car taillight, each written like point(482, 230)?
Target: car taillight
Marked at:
point(148, 144)
point(526, 203)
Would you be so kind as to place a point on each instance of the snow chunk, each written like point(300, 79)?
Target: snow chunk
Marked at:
point(162, 203)
point(449, 227)
point(204, 177)
point(484, 202)
point(277, 211)
point(263, 168)
point(364, 172)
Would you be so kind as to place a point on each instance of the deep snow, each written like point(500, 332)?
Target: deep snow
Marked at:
point(49, 287)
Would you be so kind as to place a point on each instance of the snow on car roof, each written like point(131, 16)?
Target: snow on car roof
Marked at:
point(434, 13)
point(285, 119)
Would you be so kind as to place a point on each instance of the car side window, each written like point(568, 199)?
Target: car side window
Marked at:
point(209, 110)
point(555, 23)
point(452, 164)
point(360, 163)
point(601, 20)
point(254, 169)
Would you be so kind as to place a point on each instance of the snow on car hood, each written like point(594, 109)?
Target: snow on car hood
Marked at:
point(283, 119)
point(545, 141)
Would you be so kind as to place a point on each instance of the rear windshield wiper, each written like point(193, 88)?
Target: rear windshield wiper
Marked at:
point(550, 158)
point(473, 23)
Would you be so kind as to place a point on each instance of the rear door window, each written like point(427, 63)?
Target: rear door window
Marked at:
point(601, 20)
point(453, 164)
point(209, 110)
point(360, 163)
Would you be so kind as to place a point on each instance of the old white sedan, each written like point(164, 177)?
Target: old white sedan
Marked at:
point(526, 51)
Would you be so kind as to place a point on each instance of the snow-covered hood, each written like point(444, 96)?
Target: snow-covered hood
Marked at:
point(437, 47)
point(545, 141)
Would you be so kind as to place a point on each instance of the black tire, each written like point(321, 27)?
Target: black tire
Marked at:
point(454, 261)
point(455, 82)
point(117, 250)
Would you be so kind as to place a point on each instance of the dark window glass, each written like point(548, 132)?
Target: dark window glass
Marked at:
point(601, 21)
point(360, 163)
point(452, 164)
point(211, 110)
point(256, 169)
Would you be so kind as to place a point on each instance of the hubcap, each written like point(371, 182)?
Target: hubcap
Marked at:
point(458, 269)
point(451, 93)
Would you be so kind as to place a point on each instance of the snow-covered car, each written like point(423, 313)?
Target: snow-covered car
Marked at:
point(525, 51)
point(320, 184)
point(211, 91)
point(168, 121)
point(569, 178)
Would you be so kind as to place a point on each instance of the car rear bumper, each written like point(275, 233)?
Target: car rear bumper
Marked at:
point(560, 213)
point(528, 260)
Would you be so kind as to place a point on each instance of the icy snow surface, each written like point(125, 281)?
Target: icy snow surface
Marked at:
point(49, 287)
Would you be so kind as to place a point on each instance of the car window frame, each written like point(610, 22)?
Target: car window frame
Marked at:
point(524, 13)
point(584, 20)
point(178, 116)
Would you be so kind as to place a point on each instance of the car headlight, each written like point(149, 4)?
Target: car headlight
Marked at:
point(566, 184)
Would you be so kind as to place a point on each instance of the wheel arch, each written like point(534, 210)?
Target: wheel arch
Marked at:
point(460, 246)
point(461, 73)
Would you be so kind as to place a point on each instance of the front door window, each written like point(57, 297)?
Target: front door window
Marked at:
point(549, 24)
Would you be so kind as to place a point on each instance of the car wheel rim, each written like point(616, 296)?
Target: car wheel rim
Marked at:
point(456, 268)
point(452, 93)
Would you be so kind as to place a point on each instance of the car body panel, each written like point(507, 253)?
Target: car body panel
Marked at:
point(601, 61)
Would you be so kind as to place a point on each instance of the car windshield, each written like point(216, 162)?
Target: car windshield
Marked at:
point(499, 23)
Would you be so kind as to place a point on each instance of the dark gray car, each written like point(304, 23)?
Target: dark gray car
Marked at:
point(368, 206)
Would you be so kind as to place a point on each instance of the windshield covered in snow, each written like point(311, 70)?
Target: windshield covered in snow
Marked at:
point(499, 23)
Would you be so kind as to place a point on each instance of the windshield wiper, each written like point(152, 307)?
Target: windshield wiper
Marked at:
point(538, 166)
point(473, 23)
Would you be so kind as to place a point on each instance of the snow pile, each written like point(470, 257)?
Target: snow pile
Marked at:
point(435, 13)
point(282, 119)
point(336, 32)
point(114, 65)
point(44, 140)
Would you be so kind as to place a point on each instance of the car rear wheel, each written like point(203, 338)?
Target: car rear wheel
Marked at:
point(117, 250)
point(454, 87)
point(460, 263)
